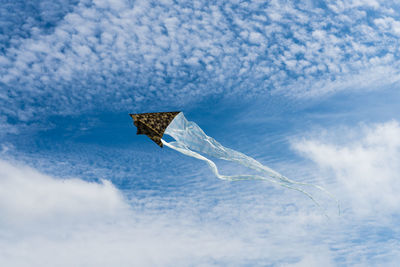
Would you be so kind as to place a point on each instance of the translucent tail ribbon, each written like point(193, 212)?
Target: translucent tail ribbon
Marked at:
point(189, 135)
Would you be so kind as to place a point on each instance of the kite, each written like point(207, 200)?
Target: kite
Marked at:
point(191, 140)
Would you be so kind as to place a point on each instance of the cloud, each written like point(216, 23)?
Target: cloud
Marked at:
point(365, 164)
point(49, 221)
point(388, 25)
point(116, 55)
point(28, 197)
point(21, 20)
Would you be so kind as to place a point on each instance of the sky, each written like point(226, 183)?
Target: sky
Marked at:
point(308, 88)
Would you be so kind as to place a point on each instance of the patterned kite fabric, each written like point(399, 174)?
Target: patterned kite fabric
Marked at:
point(153, 124)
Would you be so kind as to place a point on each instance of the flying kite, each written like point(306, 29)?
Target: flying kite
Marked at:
point(190, 140)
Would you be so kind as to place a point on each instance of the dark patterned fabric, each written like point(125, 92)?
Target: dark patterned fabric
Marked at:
point(153, 124)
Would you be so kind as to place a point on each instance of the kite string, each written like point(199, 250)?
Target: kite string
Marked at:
point(214, 168)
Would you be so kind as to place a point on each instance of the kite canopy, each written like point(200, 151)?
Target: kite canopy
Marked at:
point(153, 124)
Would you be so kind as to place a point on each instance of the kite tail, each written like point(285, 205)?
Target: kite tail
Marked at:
point(287, 182)
point(251, 163)
point(189, 136)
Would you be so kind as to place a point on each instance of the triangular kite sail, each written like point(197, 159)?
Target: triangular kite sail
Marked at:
point(153, 124)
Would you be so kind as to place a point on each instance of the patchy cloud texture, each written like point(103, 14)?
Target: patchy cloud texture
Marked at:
point(79, 55)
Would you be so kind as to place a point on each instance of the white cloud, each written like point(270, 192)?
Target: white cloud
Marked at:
point(29, 197)
point(388, 25)
point(47, 221)
point(366, 166)
point(190, 51)
point(316, 258)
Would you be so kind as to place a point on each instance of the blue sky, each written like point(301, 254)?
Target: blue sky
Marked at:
point(310, 89)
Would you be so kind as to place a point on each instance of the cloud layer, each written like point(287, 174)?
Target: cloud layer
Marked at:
point(48, 221)
point(68, 222)
point(119, 54)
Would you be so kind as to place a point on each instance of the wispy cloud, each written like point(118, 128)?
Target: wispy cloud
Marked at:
point(365, 165)
point(362, 162)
